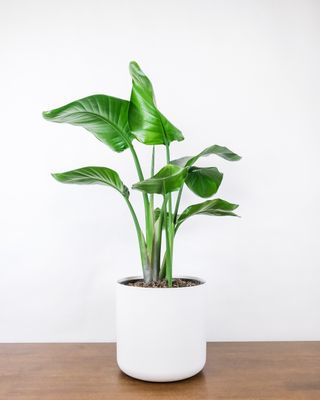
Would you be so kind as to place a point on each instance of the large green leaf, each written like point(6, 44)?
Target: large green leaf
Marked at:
point(105, 116)
point(147, 123)
point(216, 207)
point(93, 175)
point(204, 182)
point(169, 179)
point(220, 151)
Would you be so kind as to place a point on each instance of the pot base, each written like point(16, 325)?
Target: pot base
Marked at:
point(150, 377)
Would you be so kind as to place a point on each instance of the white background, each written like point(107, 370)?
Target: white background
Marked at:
point(244, 74)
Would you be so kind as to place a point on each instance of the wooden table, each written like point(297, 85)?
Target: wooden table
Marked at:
point(247, 371)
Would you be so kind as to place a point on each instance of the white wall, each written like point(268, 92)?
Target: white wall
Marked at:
point(244, 74)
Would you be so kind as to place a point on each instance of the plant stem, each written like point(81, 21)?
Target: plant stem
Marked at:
point(151, 204)
point(168, 243)
point(148, 219)
point(156, 245)
point(163, 267)
point(137, 162)
point(169, 230)
point(168, 161)
point(134, 216)
point(163, 264)
point(155, 250)
point(153, 159)
point(176, 210)
point(142, 242)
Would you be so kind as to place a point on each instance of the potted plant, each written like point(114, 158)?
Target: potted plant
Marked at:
point(160, 318)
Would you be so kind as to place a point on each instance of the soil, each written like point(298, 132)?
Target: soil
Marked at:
point(176, 283)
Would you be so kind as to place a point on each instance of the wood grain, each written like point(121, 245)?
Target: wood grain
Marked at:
point(246, 371)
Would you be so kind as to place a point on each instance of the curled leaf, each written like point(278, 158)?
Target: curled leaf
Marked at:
point(220, 151)
point(204, 182)
point(217, 207)
point(169, 179)
point(104, 116)
point(147, 123)
point(93, 175)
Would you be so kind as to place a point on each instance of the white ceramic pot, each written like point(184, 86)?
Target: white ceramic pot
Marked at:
point(161, 332)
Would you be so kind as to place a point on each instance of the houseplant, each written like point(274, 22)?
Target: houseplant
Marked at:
point(148, 348)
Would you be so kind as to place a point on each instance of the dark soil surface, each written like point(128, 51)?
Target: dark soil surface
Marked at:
point(176, 283)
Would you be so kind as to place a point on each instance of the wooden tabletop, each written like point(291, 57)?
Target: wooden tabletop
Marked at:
point(246, 371)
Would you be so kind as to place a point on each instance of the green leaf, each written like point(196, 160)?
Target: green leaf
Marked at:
point(220, 151)
point(204, 182)
point(147, 123)
point(93, 175)
point(104, 116)
point(169, 179)
point(216, 207)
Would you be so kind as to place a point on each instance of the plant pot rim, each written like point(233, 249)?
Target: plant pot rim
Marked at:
point(121, 282)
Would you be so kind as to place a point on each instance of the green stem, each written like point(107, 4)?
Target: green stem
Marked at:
point(156, 245)
point(134, 217)
point(169, 230)
point(141, 239)
point(151, 210)
point(168, 161)
point(148, 219)
point(153, 159)
point(176, 210)
point(163, 267)
point(163, 264)
point(168, 243)
point(136, 161)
